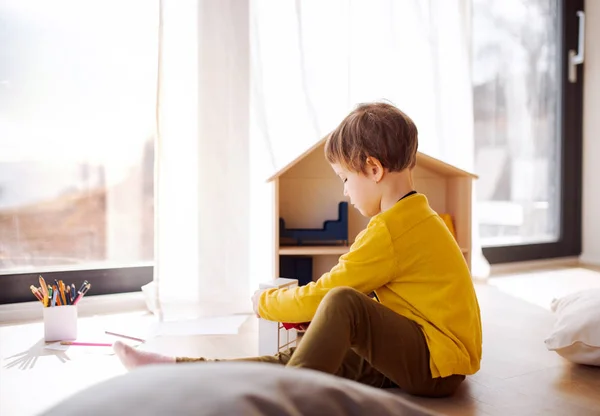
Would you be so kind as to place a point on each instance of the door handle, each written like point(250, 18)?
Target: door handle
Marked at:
point(576, 58)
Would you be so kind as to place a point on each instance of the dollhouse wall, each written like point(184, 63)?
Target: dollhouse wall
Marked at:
point(309, 194)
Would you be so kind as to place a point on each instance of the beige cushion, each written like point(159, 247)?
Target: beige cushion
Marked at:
point(240, 388)
point(576, 333)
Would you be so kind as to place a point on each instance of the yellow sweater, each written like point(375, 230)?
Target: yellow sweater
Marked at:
point(409, 257)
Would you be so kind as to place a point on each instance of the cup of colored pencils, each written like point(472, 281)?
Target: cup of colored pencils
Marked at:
point(60, 308)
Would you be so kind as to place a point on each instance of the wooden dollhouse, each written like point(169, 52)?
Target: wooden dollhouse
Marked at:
point(308, 196)
point(314, 226)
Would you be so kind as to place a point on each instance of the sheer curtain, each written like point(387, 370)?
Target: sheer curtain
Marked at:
point(312, 62)
point(202, 166)
point(248, 85)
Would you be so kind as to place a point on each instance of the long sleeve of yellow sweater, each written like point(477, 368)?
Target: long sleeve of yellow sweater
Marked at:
point(366, 267)
point(410, 259)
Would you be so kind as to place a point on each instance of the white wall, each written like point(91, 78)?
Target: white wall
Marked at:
point(591, 136)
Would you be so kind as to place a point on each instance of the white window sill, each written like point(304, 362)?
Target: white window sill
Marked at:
point(16, 313)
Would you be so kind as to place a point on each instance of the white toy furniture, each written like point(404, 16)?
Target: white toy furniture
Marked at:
point(272, 336)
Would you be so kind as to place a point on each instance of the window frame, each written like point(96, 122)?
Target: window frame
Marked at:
point(571, 154)
point(105, 281)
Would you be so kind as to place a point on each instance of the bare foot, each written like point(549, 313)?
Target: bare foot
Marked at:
point(131, 358)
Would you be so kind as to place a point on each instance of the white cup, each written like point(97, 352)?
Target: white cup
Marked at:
point(60, 323)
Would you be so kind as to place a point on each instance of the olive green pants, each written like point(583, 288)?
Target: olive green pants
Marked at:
point(355, 337)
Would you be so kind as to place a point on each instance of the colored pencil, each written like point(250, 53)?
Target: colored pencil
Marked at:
point(124, 336)
point(86, 344)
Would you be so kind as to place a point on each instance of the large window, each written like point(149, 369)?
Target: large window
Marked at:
point(77, 122)
point(78, 88)
point(527, 118)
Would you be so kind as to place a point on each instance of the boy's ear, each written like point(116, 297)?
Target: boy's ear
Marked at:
point(374, 169)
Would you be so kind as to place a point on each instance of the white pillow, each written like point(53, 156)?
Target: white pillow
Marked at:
point(576, 332)
point(233, 388)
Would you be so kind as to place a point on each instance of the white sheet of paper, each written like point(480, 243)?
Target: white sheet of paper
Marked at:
point(134, 326)
point(221, 325)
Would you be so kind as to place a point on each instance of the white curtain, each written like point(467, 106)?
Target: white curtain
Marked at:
point(313, 61)
point(247, 85)
point(202, 180)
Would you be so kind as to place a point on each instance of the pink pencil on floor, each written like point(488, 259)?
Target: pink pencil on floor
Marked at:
point(86, 344)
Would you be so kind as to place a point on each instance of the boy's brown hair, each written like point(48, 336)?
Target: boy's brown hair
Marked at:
point(378, 130)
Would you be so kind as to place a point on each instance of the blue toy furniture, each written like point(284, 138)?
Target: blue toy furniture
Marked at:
point(333, 231)
point(296, 267)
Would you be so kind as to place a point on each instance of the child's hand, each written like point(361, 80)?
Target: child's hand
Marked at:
point(255, 300)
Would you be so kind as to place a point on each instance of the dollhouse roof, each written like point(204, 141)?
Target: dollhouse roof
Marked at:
point(423, 160)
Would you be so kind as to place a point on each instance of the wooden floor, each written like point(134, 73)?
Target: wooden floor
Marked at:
point(518, 375)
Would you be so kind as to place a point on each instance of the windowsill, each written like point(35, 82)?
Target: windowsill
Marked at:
point(501, 269)
point(17, 313)
point(76, 267)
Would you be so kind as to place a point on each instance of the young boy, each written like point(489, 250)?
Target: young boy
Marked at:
point(399, 309)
